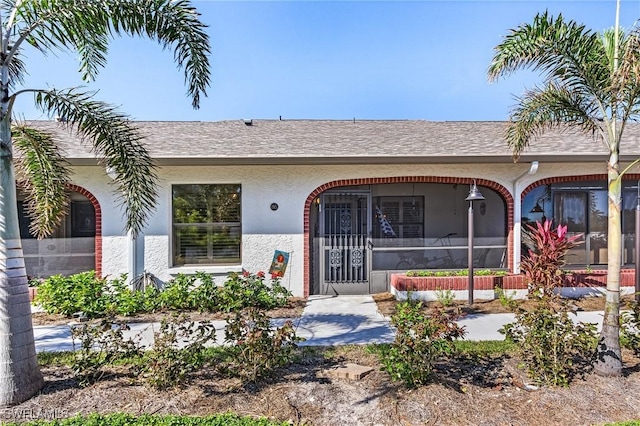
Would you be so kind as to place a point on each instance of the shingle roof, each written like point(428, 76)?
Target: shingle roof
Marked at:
point(359, 141)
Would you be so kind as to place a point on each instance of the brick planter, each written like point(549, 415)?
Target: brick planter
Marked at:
point(578, 283)
point(401, 282)
point(33, 291)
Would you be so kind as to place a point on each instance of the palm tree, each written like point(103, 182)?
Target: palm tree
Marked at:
point(590, 83)
point(84, 27)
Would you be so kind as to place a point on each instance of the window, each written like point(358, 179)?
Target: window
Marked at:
point(81, 222)
point(403, 215)
point(206, 224)
point(83, 219)
point(582, 207)
point(71, 246)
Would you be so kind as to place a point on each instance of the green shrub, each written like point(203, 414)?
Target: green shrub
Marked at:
point(179, 349)
point(93, 296)
point(177, 293)
point(99, 345)
point(205, 297)
point(553, 347)
point(420, 341)
point(445, 297)
point(76, 293)
point(122, 300)
point(258, 348)
point(630, 330)
point(250, 290)
point(97, 297)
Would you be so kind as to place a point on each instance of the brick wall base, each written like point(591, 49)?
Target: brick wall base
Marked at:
point(576, 284)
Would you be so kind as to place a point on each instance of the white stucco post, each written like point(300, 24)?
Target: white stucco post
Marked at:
point(517, 214)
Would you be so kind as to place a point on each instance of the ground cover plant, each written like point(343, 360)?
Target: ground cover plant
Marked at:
point(122, 419)
point(454, 273)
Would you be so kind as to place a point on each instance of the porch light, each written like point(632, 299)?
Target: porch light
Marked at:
point(538, 209)
point(474, 195)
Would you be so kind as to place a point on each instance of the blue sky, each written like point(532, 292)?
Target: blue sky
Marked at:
point(328, 60)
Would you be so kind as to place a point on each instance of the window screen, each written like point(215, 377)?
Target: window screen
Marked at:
point(206, 224)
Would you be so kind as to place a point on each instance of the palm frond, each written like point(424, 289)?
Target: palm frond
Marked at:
point(81, 26)
point(43, 171)
point(117, 144)
point(87, 26)
point(627, 77)
point(562, 50)
point(6, 6)
point(540, 46)
point(17, 69)
point(543, 109)
point(172, 23)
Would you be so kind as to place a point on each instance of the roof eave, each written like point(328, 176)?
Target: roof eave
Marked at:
point(338, 160)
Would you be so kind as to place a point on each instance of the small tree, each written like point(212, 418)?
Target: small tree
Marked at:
point(84, 27)
point(591, 83)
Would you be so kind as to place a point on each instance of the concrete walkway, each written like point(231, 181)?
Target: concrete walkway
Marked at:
point(325, 321)
point(343, 320)
point(486, 326)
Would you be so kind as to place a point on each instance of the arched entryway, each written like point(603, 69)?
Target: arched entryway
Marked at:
point(75, 246)
point(580, 203)
point(360, 231)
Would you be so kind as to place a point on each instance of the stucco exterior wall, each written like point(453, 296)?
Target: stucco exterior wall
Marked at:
point(264, 230)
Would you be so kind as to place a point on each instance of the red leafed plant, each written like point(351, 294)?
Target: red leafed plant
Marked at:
point(543, 265)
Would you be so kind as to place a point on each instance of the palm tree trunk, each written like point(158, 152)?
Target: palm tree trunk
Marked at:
point(608, 355)
point(20, 377)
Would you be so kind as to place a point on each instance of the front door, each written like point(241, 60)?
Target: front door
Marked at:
point(344, 255)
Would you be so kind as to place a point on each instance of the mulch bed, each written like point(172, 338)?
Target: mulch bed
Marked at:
point(489, 390)
point(292, 310)
point(465, 391)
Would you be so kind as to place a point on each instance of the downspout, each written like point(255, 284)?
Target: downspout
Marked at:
point(132, 244)
point(517, 215)
point(133, 257)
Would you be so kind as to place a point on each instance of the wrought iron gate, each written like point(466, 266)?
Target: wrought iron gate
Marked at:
point(344, 256)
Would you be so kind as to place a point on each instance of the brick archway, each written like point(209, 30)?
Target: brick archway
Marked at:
point(98, 223)
point(508, 198)
point(574, 178)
